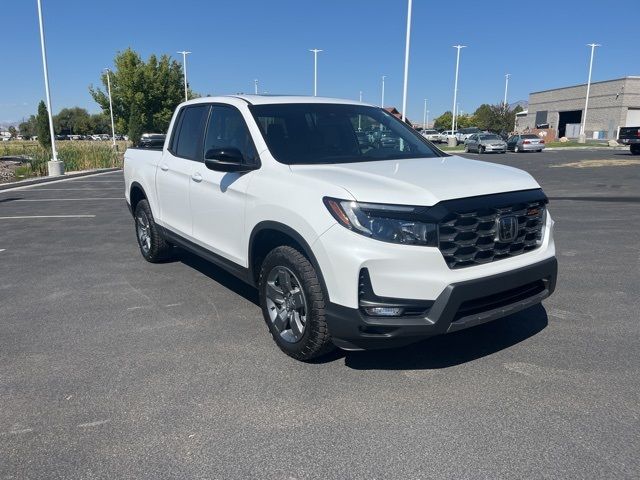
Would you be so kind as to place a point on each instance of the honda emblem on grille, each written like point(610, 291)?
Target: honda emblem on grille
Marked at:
point(507, 228)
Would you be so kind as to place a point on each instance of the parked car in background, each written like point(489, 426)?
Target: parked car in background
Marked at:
point(630, 136)
point(431, 135)
point(527, 142)
point(485, 143)
point(444, 136)
point(152, 140)
point(464, 133)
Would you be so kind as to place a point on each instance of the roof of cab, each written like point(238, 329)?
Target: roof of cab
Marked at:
point(274, 99)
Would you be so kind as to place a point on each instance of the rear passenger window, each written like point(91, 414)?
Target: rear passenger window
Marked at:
point(189, 141)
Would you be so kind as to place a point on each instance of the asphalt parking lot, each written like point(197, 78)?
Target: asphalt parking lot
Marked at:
point(111, 367)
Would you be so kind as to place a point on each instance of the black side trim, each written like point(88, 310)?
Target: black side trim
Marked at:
point(233, 268)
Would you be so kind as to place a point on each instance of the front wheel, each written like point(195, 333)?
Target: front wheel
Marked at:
point(466, 148)
point(293, 304)
point(635, 149)
point(516, 149)
point(480, 149)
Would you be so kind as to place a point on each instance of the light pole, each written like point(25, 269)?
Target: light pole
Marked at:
point(452, 140)
point(506, 88)
point(424, 115)
point(255, 86)
point(406, 61)
point(315, 70)
point(54, 166)
point(360, 116)
point(427, 117)
point(113, 128)
point(583, 137)
point(382, 101)
point(184, 71)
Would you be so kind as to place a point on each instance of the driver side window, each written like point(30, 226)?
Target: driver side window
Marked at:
point(227, 129)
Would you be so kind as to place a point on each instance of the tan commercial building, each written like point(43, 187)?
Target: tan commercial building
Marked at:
point(612, 104)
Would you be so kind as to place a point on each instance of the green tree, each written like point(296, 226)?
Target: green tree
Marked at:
point(443, 122)
point(484, 117)
point(72, 121)
point(149, 91)
point(28, 128)
point(42, 126)
point(13, 131)
point(99, 123)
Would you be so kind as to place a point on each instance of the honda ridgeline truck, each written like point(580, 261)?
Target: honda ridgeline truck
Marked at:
point(357, 232)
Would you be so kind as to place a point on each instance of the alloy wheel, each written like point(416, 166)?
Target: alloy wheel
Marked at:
point(286, 303)
point(143, 230)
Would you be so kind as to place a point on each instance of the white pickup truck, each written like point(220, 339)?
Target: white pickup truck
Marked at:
point(353, 240)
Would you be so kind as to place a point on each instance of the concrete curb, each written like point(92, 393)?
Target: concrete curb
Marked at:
point(38, 180)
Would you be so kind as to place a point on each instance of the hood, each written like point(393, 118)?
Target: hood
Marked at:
point(419, 181)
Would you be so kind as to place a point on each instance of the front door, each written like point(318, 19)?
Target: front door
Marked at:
point(218, 199)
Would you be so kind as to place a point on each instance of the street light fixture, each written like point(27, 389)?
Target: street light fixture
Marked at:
point(113, 128)
point(583, 137)
point(315, 70)
point(452, 141)
point(506, 88)
point(54, 166)
point(406, 61)
point(184, 71)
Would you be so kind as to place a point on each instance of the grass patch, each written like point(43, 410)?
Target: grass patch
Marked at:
point(572, 143)
point(76, 155)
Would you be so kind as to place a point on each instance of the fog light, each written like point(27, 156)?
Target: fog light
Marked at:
point(384, 311)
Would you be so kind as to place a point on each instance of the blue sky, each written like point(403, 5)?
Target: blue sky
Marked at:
point(234, 42)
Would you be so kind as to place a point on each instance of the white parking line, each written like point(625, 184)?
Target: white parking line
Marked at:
point(2, 249)
point(65, 199)
point(47, 216)
point(93, 175)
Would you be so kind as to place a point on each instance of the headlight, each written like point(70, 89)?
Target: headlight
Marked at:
point(388, 223)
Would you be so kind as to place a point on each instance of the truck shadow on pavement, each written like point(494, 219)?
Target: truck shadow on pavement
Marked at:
point(434, 353)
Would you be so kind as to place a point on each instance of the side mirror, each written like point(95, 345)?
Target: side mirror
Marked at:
point(226, 160)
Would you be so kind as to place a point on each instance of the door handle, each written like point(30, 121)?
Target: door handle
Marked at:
point(164, 167)
point(196, 177)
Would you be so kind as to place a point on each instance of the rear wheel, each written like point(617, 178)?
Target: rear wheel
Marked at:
point(635, 149)
point(516, 149)
point(152, 245)
point(293, 304)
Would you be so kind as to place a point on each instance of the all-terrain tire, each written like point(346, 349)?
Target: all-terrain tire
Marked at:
point(153, 246)
point(315, 340)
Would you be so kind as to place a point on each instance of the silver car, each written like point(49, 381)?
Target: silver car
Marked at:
point(527, 142)
point(485, 143)
point(431, 135)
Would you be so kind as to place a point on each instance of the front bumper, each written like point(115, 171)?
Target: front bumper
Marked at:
point(460, 305)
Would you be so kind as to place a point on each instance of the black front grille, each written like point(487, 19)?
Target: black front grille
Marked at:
point(469, 238)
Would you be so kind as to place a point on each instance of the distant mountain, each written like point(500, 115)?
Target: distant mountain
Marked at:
point(520, 103)
point(6, 124)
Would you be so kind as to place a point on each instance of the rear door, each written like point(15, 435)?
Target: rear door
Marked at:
point(218, 199)
point(173, 177)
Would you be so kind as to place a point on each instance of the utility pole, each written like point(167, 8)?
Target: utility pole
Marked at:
point(315, 70)
point(583, 137)
point(506, 88)
point(452, 140)
point(424, 115)
point(184, 71)
point(113, 128)
point(406, 61)
point(54, 166)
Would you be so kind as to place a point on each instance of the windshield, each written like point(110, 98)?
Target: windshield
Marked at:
point(314, 133)
point(490, 137)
